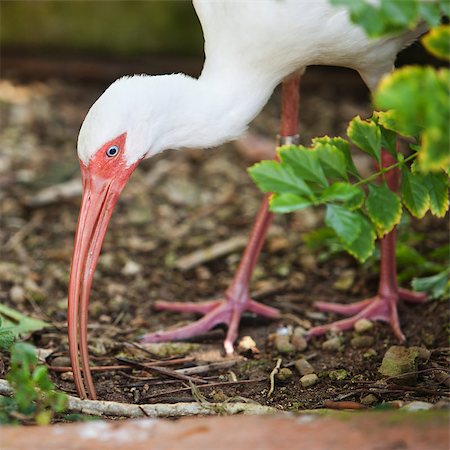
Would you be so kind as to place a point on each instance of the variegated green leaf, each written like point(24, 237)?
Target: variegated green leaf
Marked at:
point(384, 208)
point(414, 193)
point(270, 176)
point(364, 245)
point(304, 162)
point(287, 202)
point(366, 135)
point(350, 195)
point(345, 223)
point(437, 185)
point(437, 41)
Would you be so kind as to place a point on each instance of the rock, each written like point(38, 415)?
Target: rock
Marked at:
point(283, 344)
point(369, 400)
point(424, 353)
point(363, 325)
point(61, 361)
point(400, 363)
point(284, 374)
point(298, 339)
point(308, 262)
point(131, 268)
point(247, 345)
point(339, 374)
point(304, 367)
point(370, 353)
point(362, 341)
point(417, 406)
point(17, 294)
point(67, 376)
point(333, 345)
point(309, 380)
point(345, 280)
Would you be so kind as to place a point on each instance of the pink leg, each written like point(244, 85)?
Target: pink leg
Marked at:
point(237, 297)
point(384, 305)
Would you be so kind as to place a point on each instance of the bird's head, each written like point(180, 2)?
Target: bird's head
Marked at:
point(112, 142)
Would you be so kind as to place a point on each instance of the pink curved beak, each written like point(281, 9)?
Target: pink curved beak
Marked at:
point(99, 198)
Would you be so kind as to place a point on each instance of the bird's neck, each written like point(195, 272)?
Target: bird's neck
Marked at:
point(213, 109)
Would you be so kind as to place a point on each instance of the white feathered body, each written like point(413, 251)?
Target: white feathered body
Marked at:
point(250, 46)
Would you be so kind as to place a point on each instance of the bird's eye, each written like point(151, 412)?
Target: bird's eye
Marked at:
point(112, 151)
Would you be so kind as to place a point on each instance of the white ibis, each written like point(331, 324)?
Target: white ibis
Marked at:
point(250, 48)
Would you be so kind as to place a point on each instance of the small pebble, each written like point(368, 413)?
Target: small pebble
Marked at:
point(61, 361)
point(362, 341)
point(363, 325)
point(17, 294)
point(370, 353)
point(333, 345)
point(304, 367)
point(131, 268)
point(417, 406)
point(369, 400)
point(247, 344)
point(67, 376)
point(298, 339)
point(339, 374)
point(309, 380)
point(283, 344)
point(284, 374)
point(345, 280)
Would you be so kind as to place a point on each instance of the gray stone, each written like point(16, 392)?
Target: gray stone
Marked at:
point(309, 380)
point(363, 325)
point(369, 400)
point(362, 341)
point(304, 367)
point(333, 345)
point(400, 363)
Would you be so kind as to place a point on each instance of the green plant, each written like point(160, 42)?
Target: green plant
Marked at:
point(35, 399)
point(416, 104)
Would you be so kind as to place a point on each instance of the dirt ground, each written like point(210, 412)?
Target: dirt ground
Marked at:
point(175, 204)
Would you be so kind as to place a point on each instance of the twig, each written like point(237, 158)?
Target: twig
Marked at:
point(162, 371)
point(343, 405)
point(272, 377)
point(214, 251)
point(170, 362)
point(56, 194)
point(115, 409)
point(210, 385)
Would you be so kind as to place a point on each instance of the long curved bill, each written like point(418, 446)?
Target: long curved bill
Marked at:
point(98, 201)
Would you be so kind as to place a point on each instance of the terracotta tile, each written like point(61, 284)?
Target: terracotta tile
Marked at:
point(371, 431)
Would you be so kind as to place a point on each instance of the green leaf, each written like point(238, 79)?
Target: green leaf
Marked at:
point(367, 136)
point(18, 324)
point(420, 98)
point(364, 245)
point(414, 193)
point(332, 161)
point(350, 195)
point(437, 42)
point(400, 12)
point(287, 202)
point(342, 146)
point(346, 224)
point(304, 162)
point(384, 208)
point(436, 286)
point(437, 185)
point(270, 176)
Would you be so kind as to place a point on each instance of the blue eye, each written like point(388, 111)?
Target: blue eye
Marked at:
point(112, 151)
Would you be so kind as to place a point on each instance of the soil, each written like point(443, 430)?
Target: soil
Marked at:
point(175, 204)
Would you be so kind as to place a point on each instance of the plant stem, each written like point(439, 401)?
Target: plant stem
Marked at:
point(384, 170)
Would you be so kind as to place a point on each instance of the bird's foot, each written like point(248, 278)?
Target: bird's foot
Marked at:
point(227, 311)
point(381, 307)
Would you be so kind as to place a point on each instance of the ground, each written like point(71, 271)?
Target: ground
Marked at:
point(176, 204)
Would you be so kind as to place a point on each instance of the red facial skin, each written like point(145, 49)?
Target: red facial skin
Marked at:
point(103, 180)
